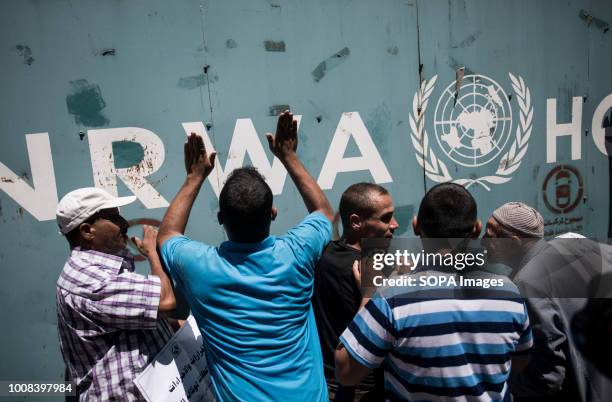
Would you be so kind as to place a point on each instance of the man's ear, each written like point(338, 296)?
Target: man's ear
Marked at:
point(273, 213)
point(87, 232)
point(220, 218)
point(516, 241)
point(415, 226)
point(476, 229)
point(355, 222)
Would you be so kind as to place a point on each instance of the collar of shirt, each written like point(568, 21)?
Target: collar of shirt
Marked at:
point(342, 243)
point(116, 263)
point(248, 247)
point(532, 252)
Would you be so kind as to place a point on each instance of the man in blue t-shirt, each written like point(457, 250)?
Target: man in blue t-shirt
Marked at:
point(251, 295)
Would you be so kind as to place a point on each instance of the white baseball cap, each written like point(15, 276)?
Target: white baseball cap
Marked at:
point(78, 205)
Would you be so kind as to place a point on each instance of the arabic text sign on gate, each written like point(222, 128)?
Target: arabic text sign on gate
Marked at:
point(179, 372)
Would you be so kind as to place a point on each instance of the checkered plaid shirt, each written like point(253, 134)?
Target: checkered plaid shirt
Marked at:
point(108, 325)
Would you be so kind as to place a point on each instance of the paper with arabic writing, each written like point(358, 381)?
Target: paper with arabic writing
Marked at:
point(179, 372)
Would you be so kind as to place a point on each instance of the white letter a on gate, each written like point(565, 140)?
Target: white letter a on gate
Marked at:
point(351, 125)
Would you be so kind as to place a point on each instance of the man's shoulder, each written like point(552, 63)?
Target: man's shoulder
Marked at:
point(338, 253)
point(85, 272)
point(315, 230)
point(536, 257)
point(335, 274)
point(316, 216)
point(182, 246)
point(85, 268)
point(184, 240)
point(475, 295)
point(315, 220)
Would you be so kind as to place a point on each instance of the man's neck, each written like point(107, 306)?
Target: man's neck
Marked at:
point(123, 253)
point(255, 239)
point(351, 242)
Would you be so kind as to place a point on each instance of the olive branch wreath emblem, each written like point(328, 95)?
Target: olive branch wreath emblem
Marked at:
point(436, 169)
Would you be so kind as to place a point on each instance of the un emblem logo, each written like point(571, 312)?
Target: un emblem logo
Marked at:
point(474, 129)
point(473, 126)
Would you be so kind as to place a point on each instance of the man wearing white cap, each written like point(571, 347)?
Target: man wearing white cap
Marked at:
point(108, 315)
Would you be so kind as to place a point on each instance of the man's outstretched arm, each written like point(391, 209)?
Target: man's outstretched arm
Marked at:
point(146, 246)
point(198, 165)
point(284, 146)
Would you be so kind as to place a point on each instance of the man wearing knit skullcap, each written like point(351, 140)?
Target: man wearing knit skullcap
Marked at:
point(523, 227)
point(557, 371)
point(520, 218)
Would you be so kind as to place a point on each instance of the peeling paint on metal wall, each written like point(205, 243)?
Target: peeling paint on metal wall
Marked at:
point(85, 103)
point(330, 63)
point(274, 46)
point(25, 52)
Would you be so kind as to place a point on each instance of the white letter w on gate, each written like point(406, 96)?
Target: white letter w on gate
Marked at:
point(244, 141)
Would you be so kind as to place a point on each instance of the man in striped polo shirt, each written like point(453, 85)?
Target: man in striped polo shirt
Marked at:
point(434, 346)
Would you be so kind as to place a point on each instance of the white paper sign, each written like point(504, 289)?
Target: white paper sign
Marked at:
point(179, 372)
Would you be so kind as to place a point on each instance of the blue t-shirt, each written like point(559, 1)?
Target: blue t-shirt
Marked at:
point(252, 304)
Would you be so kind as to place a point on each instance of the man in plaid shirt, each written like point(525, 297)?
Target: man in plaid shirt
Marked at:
point(108, 315)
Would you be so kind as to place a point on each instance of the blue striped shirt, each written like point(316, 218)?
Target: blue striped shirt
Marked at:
point(442, 343)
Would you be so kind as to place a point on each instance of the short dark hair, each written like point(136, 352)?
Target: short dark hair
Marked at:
point(245, 204)
point(447, 210)
point(357, 199)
